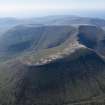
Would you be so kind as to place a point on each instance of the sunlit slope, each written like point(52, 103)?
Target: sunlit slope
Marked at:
point(22, 39)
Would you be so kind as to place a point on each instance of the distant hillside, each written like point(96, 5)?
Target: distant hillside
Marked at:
point(28, 38)
point(8, 23)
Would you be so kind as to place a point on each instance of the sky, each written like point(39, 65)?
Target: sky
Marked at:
point(27, 8)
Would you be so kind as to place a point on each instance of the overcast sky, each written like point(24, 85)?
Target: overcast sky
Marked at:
point(19, 8)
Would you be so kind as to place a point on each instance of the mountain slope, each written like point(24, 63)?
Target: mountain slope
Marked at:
point(53, 64)
point(64, 81)
point(76, 78)
point(29, 38)
point(9, 23)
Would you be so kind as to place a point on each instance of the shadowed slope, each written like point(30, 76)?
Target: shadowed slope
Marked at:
point(76, 78)
point(92, 37)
